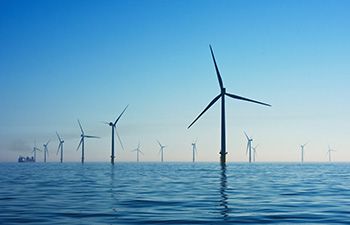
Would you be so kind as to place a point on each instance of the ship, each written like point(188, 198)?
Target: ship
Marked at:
point(22, 159)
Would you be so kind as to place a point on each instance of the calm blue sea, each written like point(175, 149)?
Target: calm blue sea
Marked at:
point(174, 193)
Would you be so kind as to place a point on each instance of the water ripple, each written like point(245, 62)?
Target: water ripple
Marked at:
point(174, 193)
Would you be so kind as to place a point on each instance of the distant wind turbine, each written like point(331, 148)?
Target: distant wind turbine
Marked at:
point(254, 152)
point(249, 146)
point(222, 95)
point(302, 152)
point(329, 153)
point(194, 150)
point(138, 151)
point(82, 138)
point(34, 150)
point(113, 125)
point(60, 146)
point(46, 150)
point(161, 150)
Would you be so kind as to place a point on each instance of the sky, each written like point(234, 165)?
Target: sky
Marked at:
point(64, 60)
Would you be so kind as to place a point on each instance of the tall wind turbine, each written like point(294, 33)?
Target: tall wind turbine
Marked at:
point(60, 146)
point(329, 152)
point(222, 95)
point(138, 151)
point(254, 152)
point(46, 150)
point(34, 150)
point(302, 152)
point(113, 125)
point(82, 138)
point(161, 150)
point(249, 146)
point(194, 150)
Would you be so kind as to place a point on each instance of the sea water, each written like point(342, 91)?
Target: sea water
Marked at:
point(174, 193)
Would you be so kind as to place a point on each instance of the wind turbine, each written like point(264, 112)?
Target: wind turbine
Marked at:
point(194, 150)
point(254, 152)
point(82, 138)
point(60, 146)
point(222, 95)
point(113, 125)
point(329, 153)
point(302, 152)
point(249, 146)
point(46, 150)
point(137, 150)
point(161, 150)
point(34, 150)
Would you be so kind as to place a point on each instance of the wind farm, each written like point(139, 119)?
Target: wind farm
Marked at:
point(174, 112)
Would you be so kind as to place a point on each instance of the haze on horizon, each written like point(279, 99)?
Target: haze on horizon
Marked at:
point(66, 60)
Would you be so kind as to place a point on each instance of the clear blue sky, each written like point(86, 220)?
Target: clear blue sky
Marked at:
point(63, 60)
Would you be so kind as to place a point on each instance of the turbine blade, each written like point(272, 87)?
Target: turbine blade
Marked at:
point(58, 149)
point(217, 69)
point(246, 151)
point(47, 142)
point(116, 121)
point(159, 143)
point(246, 135)
point(89, 136)
point(210, 104)
point(245, 99)
point(58, 136)
point(81, 128)
point(81, 140)
point(120, 140)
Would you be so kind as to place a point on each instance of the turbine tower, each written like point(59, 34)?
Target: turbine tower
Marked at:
point(161, 150)
point(46, 150)
point(113, 125)
point(34, 150)
point(329, 153)
point(249, 146)
point(302, 152)
point(137, 150)
point(82, 138)
point(60, 146)
point(222, 95)
point(194, 150)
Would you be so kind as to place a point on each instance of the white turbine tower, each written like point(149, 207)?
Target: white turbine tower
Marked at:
point(113, 125)
point(194, 150)
point(161, 150)
point(138, 151)
point(82, 138)
point(34, 150)
point(46, 150)
point(302, 152)
point(60, 146)
point(249, 146)
point(329, 153)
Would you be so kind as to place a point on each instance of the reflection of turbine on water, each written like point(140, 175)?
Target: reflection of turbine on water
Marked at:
point(223, 186)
